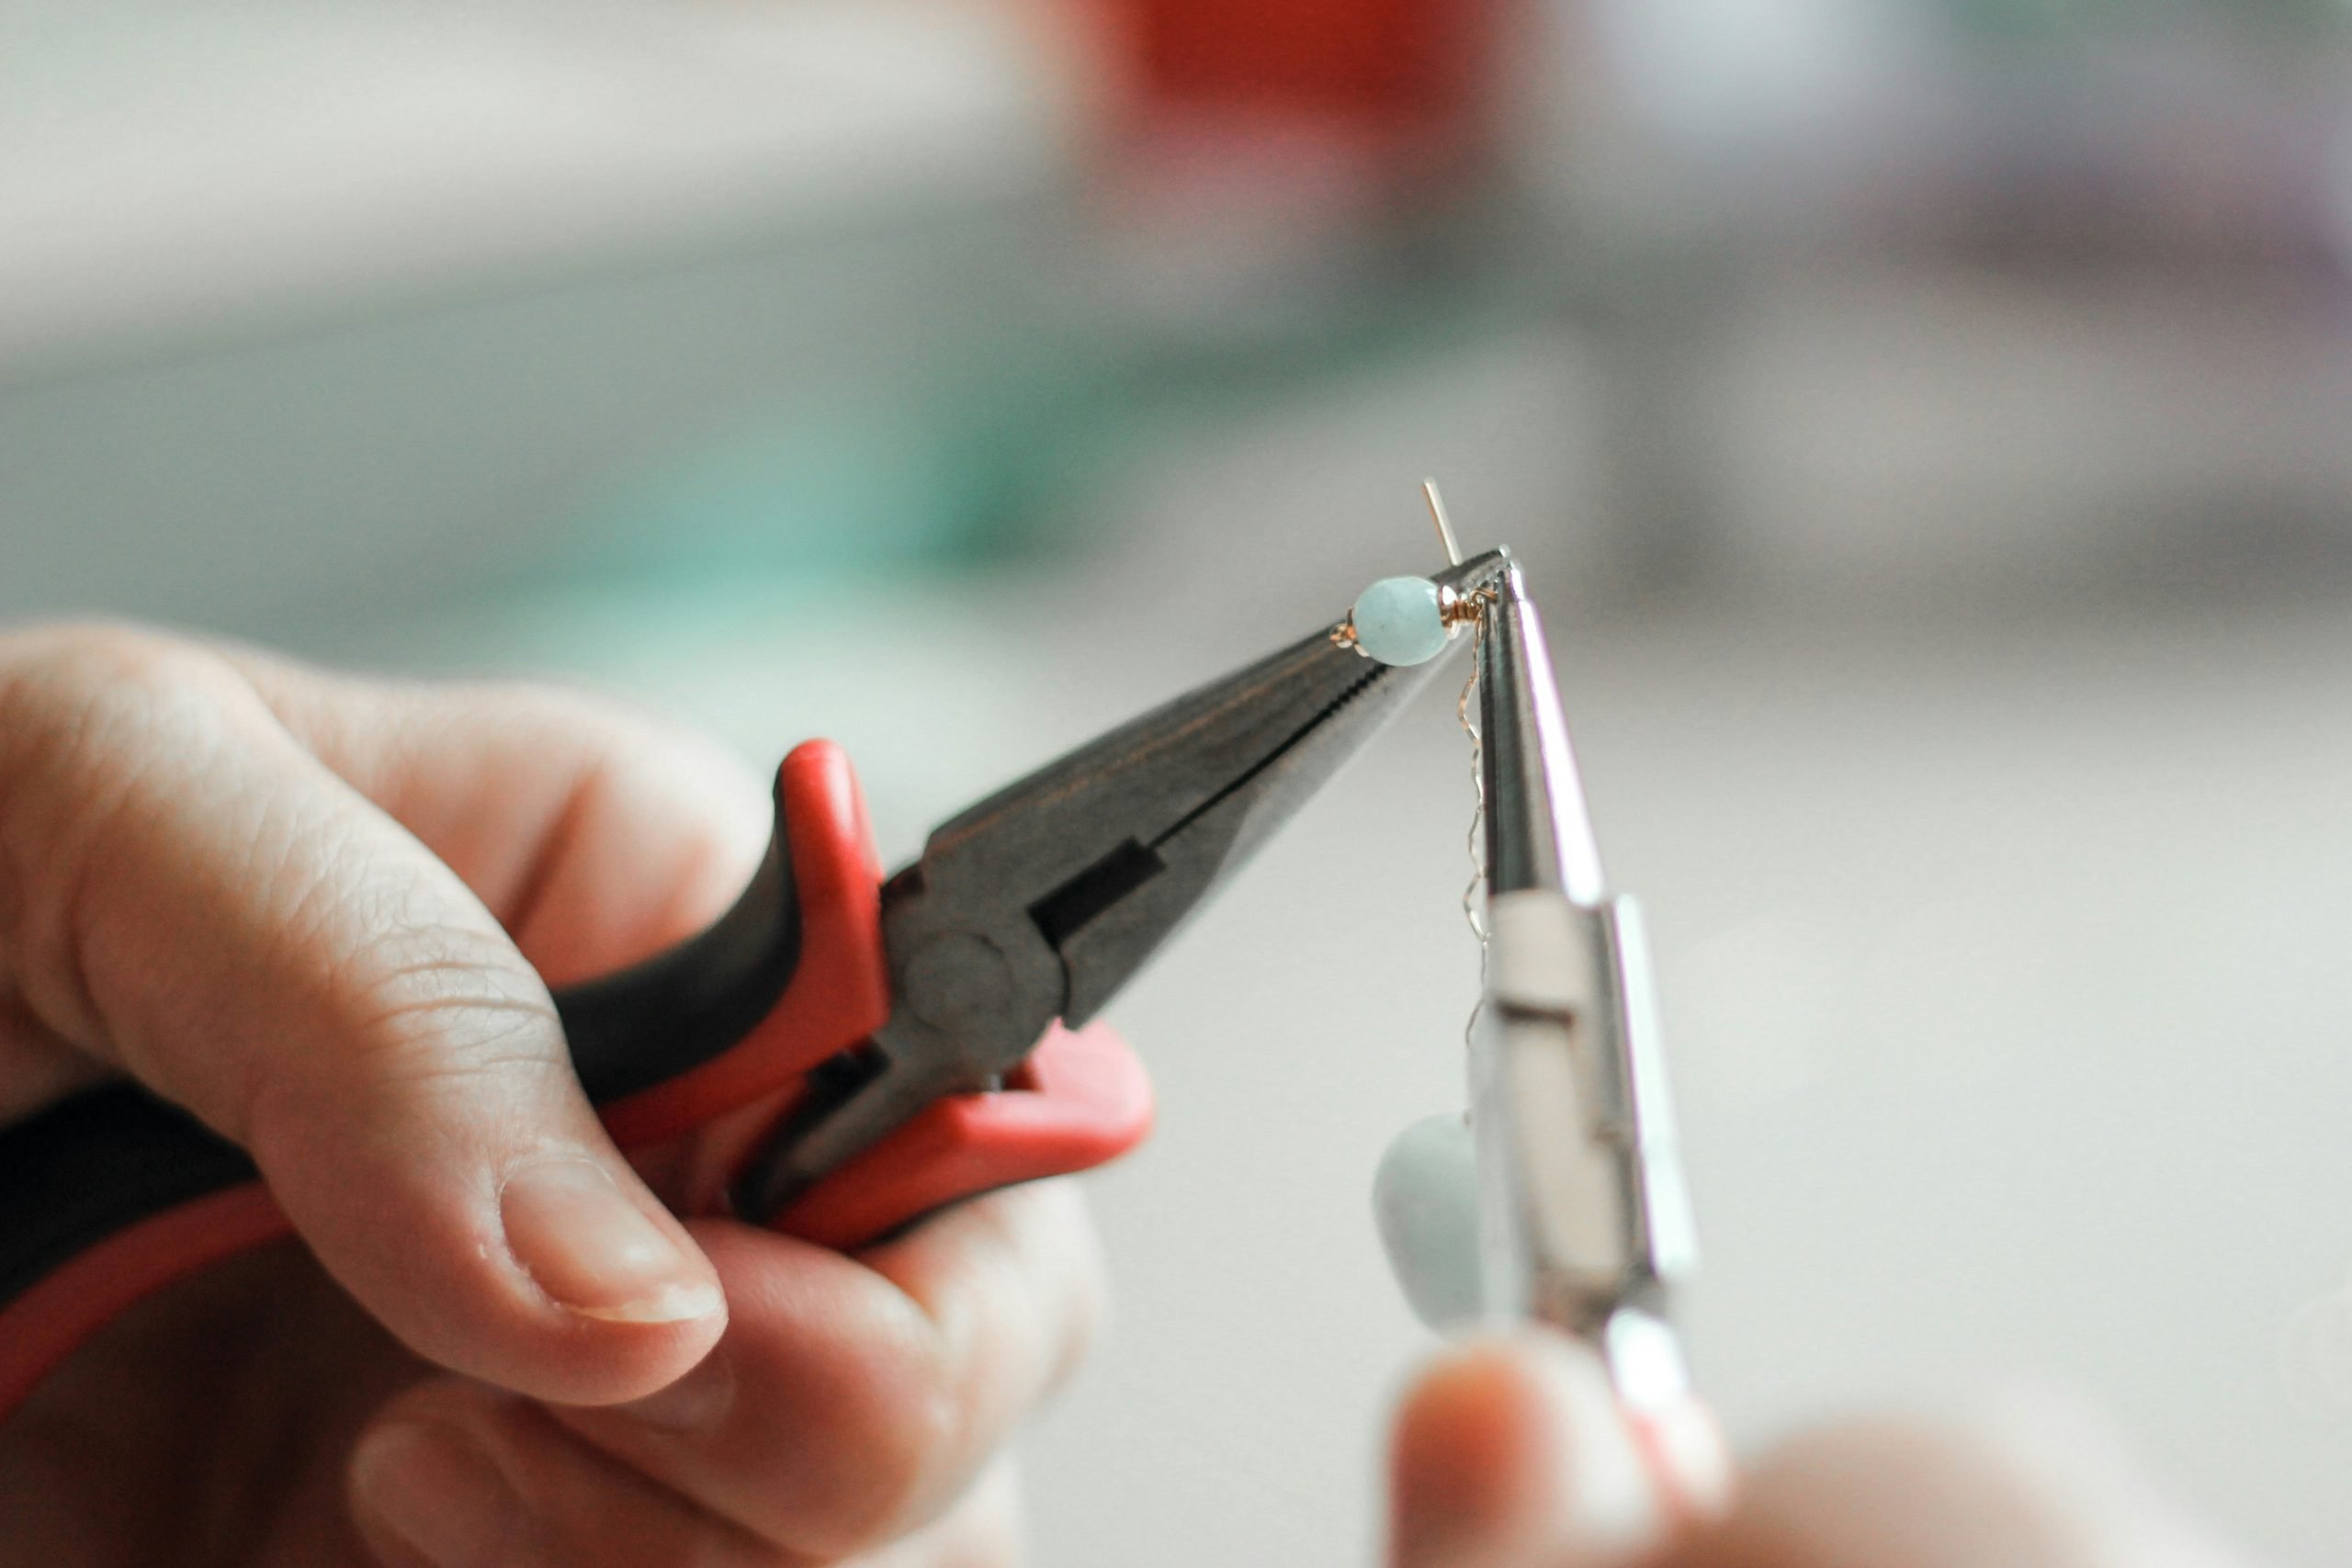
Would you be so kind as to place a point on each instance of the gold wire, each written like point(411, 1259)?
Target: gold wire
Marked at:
point(1470, 899)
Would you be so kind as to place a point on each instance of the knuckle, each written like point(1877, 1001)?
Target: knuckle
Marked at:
point(445, 1001)
point(612, 750)
point(422, 1014)
point(88, 714)
point(886, 1456)
point(1084, 1282)
point(601, 732)
point(60, 668)
point(591, 726)
point(1009, 1318)
point(83, 709)
point(415, 963)
point(904, 1458)
point(1037, 1252)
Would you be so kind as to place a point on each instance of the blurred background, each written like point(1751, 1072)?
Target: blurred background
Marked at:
point(1928, 423)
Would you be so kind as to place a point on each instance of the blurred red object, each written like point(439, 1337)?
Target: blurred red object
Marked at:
point(1405, 85)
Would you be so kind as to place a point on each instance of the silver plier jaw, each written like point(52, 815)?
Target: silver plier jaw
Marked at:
point(1584, 1214)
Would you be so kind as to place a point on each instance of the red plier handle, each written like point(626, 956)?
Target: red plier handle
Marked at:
point(114, 1193)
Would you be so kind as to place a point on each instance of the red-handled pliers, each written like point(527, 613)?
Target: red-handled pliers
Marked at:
point(865, 1051)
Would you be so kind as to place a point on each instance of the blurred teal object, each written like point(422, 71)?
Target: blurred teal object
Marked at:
point(947, 466)
point(824, 495)
point(983, 450)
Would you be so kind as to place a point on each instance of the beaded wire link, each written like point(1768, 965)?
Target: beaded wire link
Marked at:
point(1477, 798)
point(1471, 609)
point(1455, 612)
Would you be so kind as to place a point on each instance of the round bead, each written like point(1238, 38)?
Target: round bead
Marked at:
point(1399, 621)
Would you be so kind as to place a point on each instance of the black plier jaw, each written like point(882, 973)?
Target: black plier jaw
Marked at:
point(1041, 901)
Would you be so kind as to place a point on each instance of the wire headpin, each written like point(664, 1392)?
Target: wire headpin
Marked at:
point(1444, 525)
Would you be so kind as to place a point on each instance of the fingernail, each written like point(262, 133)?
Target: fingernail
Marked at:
point(592, 1249)
point(436, 1489)
point(698, 1402)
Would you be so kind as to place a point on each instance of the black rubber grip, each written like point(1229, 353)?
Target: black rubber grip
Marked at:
point(682, 1008)
point(96, 1162)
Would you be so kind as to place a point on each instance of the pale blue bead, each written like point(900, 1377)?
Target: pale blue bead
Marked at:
point(1397, 621)
point(1425, 1201)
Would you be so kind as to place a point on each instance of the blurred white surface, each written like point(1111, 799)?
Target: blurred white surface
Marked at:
point(174, 170)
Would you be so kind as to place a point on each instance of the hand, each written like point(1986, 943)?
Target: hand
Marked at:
point(323, 914)
point(1513, 1454)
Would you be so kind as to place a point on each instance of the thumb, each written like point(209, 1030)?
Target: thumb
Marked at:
point(187, 893)
point(1513, 1453)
